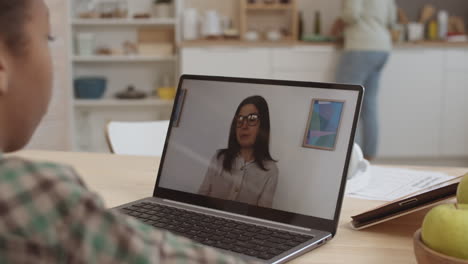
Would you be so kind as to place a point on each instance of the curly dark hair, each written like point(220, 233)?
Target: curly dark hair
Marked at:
point(262, 144)
point(13, 17)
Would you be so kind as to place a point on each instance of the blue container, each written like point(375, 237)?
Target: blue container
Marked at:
point(90, 87)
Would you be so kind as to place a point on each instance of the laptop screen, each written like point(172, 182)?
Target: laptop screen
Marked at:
point(263, 144)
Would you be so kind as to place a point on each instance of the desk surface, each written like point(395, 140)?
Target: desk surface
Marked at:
point(120, 179)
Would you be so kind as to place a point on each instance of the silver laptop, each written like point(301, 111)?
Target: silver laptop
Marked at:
point(255, 168)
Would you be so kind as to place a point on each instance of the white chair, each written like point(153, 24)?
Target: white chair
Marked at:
point(137, 138)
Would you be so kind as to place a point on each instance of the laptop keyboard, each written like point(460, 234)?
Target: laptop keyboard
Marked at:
point(248, 239)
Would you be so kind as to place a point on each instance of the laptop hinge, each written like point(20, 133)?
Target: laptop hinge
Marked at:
point(241, 216)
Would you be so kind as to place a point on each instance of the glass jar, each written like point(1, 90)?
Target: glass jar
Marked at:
point(122, 9)
point(85, 9)
point(108, 9)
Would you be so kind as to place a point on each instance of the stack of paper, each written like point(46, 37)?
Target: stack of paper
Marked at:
point(388, 184)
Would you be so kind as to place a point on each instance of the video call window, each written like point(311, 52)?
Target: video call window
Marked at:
point(263, 145)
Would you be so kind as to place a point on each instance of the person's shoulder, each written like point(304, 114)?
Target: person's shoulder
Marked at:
point(12, 169)
point(219, 155)
point(271, 165)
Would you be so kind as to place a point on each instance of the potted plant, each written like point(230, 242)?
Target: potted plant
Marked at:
point(162, 8)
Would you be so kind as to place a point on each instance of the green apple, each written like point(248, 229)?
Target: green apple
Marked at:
point(462, 191)
point(445, 230)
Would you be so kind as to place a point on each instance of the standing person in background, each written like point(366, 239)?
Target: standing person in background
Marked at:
point(368, 43)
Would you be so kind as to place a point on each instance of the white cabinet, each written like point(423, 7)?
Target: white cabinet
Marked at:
point(229, 61)
point(454, 129)
point(410, 103)
point(305, 63)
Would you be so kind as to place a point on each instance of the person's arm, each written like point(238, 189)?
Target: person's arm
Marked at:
point(352, 10)
point(205, 187)
point(393, 14)
point(269, 190)
point(61, 221)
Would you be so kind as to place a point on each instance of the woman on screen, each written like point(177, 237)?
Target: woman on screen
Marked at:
point(245, 171)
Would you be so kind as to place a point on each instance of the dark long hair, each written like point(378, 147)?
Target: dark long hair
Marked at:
point(13, 17)
point(262, 143)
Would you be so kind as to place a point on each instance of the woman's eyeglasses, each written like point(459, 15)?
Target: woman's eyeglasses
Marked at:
point(252, 120)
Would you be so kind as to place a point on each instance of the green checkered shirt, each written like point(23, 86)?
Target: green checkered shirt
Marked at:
point(47, 215)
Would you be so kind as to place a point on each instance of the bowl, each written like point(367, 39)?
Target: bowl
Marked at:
point(425, 255)
point(90, 87)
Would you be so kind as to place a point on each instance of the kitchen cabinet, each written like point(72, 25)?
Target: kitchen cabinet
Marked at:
point(308, 63)
point(454, 128)
point(410, 103)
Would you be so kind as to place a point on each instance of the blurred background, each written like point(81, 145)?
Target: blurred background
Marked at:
point(119, 60)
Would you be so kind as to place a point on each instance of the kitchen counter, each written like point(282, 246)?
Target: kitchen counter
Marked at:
point(239, 43)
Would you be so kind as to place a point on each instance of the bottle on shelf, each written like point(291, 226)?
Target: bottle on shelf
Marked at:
point(300, 31)
point(433, 31)
point(318, 23)
point(442, 19)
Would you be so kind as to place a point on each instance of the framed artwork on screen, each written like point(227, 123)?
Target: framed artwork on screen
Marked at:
point(323, 124)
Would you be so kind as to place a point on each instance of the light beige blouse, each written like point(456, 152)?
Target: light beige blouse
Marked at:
point(246, 183)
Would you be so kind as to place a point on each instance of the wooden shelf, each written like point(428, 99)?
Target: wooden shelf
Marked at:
point(86, 103)
point(124, 22)
point(263, 7)
point(122, 58)
point(239, 43)
point(251, 12)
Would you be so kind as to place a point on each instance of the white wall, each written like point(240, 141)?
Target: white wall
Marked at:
point(309, 179)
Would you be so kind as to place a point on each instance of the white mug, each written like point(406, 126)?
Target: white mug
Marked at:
point(357, 164)
point(415, 31)
point(359, 171)
point(212, 24)
point(191, 22)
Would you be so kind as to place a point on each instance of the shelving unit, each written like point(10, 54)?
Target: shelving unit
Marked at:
point(258, 13)
point(124, 22)
point(143, 71)
point(123, 58)
point(88, 103)
point(276, 6)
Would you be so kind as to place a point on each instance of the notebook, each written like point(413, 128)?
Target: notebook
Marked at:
point(414, 202)
point(255, 168)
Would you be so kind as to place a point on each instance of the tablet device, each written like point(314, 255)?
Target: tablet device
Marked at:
point(408, 204)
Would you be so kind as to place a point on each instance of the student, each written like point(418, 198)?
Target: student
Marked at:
point(46, 213)
point(245, 171)
point(367, 47)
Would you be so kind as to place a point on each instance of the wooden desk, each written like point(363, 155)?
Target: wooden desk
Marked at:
point(120, 179)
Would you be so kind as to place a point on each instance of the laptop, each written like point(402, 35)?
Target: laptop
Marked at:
point(255, 168)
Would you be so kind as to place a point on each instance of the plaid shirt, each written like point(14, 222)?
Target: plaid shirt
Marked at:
point(48, 216)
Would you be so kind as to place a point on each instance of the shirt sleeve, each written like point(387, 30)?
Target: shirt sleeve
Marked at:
point(269, 190)
point(54, 213)
point(393, 14)
point(352, 10)
point(205, 187)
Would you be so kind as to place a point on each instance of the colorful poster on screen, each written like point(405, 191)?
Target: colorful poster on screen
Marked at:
point(323, 124)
